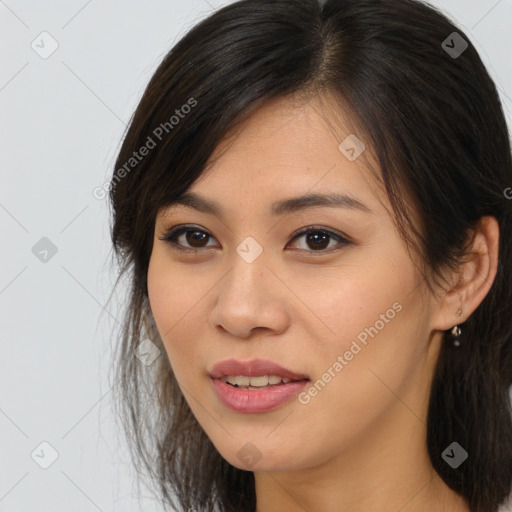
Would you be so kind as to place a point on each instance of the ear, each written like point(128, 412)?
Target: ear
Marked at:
point(474, 278)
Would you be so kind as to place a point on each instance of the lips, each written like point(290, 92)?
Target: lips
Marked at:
point(253, 368)
point(255, 399)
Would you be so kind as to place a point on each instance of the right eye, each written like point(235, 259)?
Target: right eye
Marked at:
point(190, 234)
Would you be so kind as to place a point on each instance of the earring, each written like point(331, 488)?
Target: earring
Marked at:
point(455, 332)
point(454, 335)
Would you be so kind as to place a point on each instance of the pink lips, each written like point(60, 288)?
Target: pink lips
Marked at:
point(254, 400)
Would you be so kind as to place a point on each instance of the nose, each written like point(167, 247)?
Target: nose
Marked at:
point(250, 298)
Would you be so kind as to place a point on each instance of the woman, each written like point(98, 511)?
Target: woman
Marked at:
point(310, 204)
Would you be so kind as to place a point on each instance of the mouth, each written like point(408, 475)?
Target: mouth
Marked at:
point(255, 386)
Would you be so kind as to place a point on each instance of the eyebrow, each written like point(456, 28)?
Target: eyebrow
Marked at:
point(279, 208)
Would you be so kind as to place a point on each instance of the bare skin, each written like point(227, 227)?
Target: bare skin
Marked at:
point(359, 444)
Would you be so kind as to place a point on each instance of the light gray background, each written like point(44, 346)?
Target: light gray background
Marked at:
point(62, 119)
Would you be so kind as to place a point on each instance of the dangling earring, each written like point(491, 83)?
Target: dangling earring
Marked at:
point(455, 332)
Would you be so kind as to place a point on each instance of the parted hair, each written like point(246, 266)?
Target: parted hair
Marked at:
point(434, 122)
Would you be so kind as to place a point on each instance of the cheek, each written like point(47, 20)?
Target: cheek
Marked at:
point(168, 307)
point(161, 298)
point(172, 294)
point(177, 304)
point(365, 298)
point(368, 327)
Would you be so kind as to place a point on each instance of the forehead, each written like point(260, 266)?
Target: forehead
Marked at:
point(286, 154)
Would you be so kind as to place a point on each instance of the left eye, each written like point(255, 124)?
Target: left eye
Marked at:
point(318, 238)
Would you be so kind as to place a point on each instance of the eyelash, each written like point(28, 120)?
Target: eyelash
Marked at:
point(173, 233)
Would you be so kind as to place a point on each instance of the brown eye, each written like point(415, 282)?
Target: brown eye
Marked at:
point(195, 238)
point(318, 239)
point(190, 235)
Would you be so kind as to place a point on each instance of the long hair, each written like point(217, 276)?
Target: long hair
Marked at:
point(427, 109)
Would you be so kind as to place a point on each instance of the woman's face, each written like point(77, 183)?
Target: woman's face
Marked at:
point(353, 315)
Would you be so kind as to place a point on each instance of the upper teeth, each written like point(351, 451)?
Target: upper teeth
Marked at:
point(263, 380)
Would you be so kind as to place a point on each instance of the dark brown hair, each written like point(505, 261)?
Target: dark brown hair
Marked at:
point(435, 124)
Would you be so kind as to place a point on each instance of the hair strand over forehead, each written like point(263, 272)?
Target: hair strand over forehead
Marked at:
point(436, 127)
